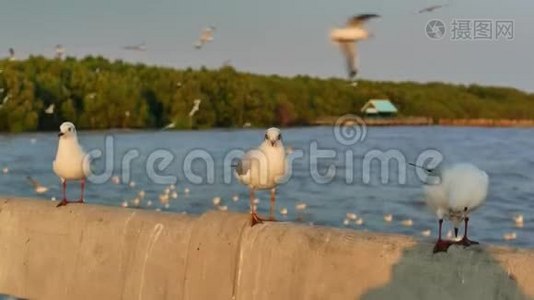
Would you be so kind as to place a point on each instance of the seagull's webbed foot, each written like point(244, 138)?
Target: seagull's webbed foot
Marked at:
point(63, 203)
point(442, 246)
point(466, 242)
point(80, 201)
point(255, 219)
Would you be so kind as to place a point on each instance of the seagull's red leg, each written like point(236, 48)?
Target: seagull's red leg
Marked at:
point(64, 201)
point(83, 189)
point(466, 241)
point(254, 218)
point(441, 245)
point(273, 199)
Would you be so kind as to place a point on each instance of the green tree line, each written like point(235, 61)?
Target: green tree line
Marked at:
point(96, 93)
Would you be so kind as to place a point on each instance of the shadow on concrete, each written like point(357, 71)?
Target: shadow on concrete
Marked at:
point(461, 273)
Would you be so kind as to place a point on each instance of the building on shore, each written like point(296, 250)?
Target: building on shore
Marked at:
point(379, 108)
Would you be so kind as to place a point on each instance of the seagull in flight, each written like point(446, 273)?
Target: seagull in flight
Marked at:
point(12, 54)
point(4, 101)
point(431, 8)
point(205, 37)
point(60, 51)
point(347, 37)
point(196, 106)
point(138, 47)
point(37, 186)
point(50, 109)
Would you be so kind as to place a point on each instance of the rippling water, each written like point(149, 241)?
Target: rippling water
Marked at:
point(505, 154)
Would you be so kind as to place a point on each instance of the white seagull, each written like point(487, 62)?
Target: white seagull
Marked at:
point(346, 37)
point(453, 193)
point(60, 52)
point(50, 109)
point(196, 106)
point(205, 37)
point(263, 168)
point(71, 161)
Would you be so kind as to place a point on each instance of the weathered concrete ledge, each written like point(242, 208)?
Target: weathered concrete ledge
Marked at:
point(97, 252)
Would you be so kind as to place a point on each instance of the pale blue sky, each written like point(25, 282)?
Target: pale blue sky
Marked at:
point(279, 36)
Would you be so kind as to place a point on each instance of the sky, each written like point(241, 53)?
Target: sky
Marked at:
point(281, 36)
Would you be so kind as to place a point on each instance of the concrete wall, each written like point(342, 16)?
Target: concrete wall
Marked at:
point(97, 252)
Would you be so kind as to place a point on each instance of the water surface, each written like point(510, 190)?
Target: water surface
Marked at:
point(506, 154)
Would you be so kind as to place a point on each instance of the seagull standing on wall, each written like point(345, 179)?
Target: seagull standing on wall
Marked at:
point(453, 193)
point(263, 168)
point(347, 37)
point(71, 161)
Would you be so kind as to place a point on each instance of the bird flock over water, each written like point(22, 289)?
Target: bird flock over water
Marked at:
point(345, 37)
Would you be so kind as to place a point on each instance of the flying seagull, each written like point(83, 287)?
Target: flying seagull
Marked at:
point(37, 186)
point(139, 47)
point(196, 106)
point(431, 8)
point(205, 37)
point(50, 109)
point(453, 193)
point(60, 51)
point(12, 54)
point(262, 169)
point(4, 101)
point(347, 37)
point(71, 162)
point(169, 126)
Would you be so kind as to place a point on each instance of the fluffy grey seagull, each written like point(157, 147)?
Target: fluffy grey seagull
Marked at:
point(454, 192)
point(262, 168)
point(205, 37)
point(71, 162)
point(347, 37)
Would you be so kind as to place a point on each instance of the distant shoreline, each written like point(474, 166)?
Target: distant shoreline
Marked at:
point(424, 121)
point(331, 121)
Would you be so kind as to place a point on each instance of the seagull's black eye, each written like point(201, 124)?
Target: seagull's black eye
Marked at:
point(70, 129)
